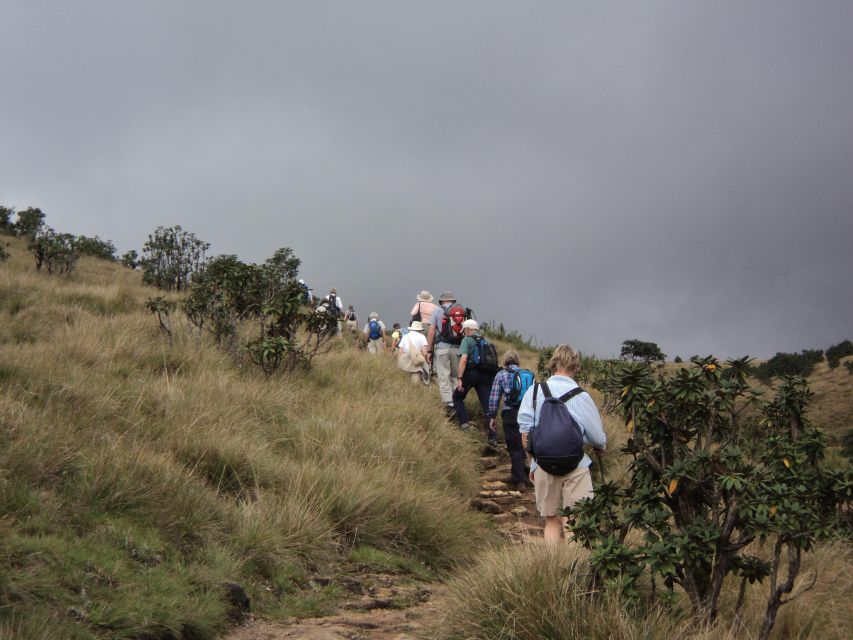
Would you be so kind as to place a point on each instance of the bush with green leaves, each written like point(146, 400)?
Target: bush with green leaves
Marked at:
point(171, 258)
point(838, 351)
point(29, 222)
point(6, 225)
point(55, 251)
point(103, 249)
point(641, 350)
point(714, 469)
point(789, 364)
point(4, 255)
point(130, 259)
point(229, 294)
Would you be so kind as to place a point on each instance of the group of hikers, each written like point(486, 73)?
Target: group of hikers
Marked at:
point(545, 424)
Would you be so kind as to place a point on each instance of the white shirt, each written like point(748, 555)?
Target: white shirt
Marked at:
point(412, 340)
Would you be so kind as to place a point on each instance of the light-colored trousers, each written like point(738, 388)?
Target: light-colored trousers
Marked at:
point(446, 363)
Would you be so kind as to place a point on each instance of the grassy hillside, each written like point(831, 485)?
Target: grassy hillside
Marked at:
point(136, 478)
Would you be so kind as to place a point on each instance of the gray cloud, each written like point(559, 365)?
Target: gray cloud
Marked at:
point(668, 171)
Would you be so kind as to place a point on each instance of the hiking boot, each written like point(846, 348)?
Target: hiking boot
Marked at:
point(493, 441)
point(449, 410)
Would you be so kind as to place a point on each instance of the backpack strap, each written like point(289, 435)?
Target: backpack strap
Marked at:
point(570, 394)
point(535, 391)
point(546, 390)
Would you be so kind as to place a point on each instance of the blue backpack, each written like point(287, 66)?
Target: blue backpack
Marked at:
point(522, 380)
point(556, 440)
point(375, 329)
point(485, 356)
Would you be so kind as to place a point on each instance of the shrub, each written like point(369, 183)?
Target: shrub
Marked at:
point(228, 293)
point(847, 444)
point(640, 350)
point(103, 249)
point(708, 478)
point(4, 255)
point(789, 364)
point(678, 360)
point(171, 258)
point(56, 251)
point(838, 351)
point(499, 332)
point(29, 222)
point(6, 225)
point(130, 259)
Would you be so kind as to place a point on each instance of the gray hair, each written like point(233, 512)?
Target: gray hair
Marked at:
point(511, 357)
point(373, 316)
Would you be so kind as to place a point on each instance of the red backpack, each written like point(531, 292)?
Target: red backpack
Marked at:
point(451, 324)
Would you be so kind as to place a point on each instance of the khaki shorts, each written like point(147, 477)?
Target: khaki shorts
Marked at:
point(558, 492)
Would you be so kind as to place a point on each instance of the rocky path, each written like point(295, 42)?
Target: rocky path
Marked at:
point(389, 606)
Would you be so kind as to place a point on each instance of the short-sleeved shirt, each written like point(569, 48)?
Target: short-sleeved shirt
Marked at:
point(468, 346)
point(367, 327)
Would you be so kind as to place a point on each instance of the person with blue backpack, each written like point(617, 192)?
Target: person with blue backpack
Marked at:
point(511, 383)
point(374, 331)
point(556, 419)
point(478, 363)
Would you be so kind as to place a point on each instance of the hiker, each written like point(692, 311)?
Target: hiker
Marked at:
point(444, 338)
point(474, 373)
point(568, 478)
point(396, 335)
point(412, 354)
point(423, 309)
point(351, 319)
point(374, 330)
point(335, 308)
point(511, 383)
point(307, 294)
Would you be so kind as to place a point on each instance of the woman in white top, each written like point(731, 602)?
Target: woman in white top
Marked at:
point(412, 352)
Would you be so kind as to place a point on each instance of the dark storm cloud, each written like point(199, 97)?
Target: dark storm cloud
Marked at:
point(584, 171)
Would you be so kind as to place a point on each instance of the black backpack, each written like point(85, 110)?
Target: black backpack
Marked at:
point(450, 329)
point(556, 440)
point(333, 306)
point(485, 356)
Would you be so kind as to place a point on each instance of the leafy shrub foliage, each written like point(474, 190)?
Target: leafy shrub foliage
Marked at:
point(714, 469)
point(228, 294)
point(789, 364)
point(838, 351)
point(171, 257)
point(29, 222)
point(4, 255)
point(130, 259)
point(103, 249)
point(6, 225)
point(640, 350)
point(55, 251)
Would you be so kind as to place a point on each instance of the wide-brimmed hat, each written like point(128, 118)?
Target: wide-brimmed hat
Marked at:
point(416, 325)
point(447, 296)
point(425, 296)
point(471, 324)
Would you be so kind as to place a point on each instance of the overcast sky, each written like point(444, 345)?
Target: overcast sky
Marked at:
point(586, 172)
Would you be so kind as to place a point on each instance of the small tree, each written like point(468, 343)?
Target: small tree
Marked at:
point(838, 351)
point(130, 259)
point(103, 249)
point(707, 479)
point(228, 293)
point(172, 257)
point(6, 224)
point(29, 222)
point(678, 360)
point(4, 255)
point(55, 251)
point(640, 350)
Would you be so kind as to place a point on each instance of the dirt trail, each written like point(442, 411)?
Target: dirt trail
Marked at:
point(388, 606)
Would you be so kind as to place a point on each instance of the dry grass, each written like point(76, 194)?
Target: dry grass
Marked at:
point(132, 471)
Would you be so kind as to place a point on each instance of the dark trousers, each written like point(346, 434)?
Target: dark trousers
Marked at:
point(481, 382)
point(509, 417)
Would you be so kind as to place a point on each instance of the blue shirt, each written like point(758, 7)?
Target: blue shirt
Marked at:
point(435, 321)
point(582, 407)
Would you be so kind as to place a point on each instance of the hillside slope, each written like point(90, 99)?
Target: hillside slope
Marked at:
point(137, 477)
